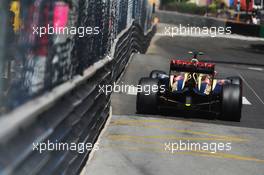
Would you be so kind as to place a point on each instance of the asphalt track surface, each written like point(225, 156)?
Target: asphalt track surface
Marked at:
point(135, 144)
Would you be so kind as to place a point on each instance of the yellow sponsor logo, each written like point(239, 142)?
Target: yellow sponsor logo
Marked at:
point(15, 8)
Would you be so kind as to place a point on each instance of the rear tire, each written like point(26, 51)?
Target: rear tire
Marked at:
point(156, 73)
point(147, 100)
point(231, 103)
point(237, 81)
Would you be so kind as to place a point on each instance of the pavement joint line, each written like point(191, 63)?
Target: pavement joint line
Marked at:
point(255, 93)
point(193, 153)
point(173, 129)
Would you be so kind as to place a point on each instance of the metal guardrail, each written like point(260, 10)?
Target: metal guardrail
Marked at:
point(73, 112)
point(53, 91)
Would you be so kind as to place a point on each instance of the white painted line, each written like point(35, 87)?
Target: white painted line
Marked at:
point(245, 81)
point(245, 101)
point(132, 90)
point(255, 68)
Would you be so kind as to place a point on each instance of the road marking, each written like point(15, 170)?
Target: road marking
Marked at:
point(245, 81)
point(255, 68)
point(192, 153)
point(132, 90)
point(170, 137)
point(245, 101)
point(148, 126)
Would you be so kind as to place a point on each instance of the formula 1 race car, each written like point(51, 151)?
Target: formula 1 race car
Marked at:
point(191, 85)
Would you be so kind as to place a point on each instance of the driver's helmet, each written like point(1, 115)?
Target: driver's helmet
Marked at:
point(194, 60)
point(194, 75)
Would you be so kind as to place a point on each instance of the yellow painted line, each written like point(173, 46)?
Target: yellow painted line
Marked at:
point(169, 137)
point(177, 130)
point(143, 141)
point(234, 156)
point(194, 153)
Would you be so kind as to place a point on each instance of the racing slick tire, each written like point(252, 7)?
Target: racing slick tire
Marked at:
point(156, 73)
point(147, 101)
point(231, 103)
point(238, 81)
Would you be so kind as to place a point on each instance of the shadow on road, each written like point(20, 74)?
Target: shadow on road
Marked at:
point(202, 118)
point(257, 48)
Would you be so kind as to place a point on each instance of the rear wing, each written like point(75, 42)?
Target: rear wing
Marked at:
point(187, 66)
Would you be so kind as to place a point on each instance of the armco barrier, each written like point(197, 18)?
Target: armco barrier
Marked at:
point(73, 112)
point(244, 29)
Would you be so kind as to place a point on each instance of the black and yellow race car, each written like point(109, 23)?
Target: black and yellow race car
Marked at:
point(191, 85)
